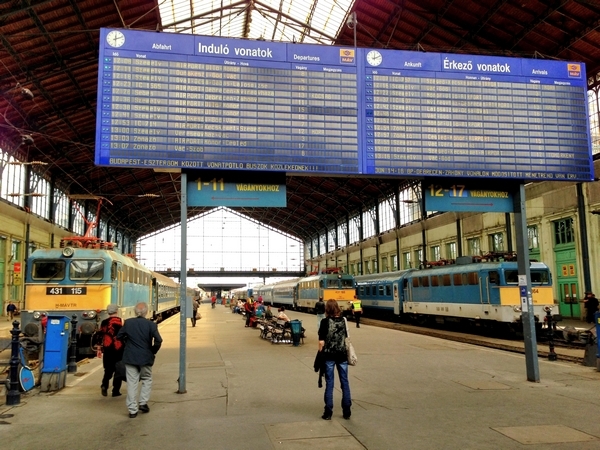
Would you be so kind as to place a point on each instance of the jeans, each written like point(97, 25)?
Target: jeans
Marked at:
point(342, 369)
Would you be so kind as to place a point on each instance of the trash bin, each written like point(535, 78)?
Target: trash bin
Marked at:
point(56, 345)
point(296, 326)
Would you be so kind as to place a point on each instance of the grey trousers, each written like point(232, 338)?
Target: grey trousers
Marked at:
point(136, 374)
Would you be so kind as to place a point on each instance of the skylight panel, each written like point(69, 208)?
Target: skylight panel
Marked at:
point(276, 20)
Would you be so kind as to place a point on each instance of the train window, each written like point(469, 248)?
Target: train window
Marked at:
point(381, 290)
point(540, 277)
point(348, 282)
point(494, 278)
point(424, 281)
point(458, 279)
point(473, 278)
point(415, 282)
point(48, 270)
point(361, 291)
point(435, 280)
point(511, 276)
point(446, 279)
point(113, 271)
point(388, 290)
point(86, 269)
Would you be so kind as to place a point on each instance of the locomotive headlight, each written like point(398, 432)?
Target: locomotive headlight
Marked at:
point(548, 308)
point(88, 314)
point(517, 309)
point(39, 315)
point(68, 252)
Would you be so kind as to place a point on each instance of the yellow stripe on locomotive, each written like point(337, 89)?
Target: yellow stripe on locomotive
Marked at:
point(55, 297)
point(340, 295)
point(541, 295)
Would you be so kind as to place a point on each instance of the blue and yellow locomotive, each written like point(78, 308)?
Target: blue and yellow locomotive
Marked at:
point(475, 291)
point(81, 281)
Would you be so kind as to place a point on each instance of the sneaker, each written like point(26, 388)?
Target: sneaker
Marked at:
point(132, 415)
point(144, 408)
point(104, 391)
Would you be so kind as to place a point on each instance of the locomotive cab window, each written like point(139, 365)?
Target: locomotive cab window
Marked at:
point(540, 277)
point(48, 270)
point(348, 282)
point(511, 276)
point(86, 269)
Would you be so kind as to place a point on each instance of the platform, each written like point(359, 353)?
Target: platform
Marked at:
point(409, 391)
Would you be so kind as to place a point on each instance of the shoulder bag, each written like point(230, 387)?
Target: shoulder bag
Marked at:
point(352, 359)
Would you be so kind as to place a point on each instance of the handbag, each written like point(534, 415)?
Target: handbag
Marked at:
point(198, 316)
point(352, 358)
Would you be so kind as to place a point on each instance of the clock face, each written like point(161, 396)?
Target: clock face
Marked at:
point(374, 58)
point(115, 38)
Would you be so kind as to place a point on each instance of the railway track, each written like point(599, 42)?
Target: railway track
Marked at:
point(564, 352)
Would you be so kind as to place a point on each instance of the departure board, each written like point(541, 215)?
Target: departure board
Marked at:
point(183, 101)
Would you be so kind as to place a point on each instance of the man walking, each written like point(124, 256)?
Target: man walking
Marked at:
point(11, 308)
point(142, 341)
point(320, 310)
point(112, 350)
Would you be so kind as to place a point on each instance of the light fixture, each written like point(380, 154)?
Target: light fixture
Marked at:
point(32, 194)
point(27, 139)
point(30, 163)
point(26, 93)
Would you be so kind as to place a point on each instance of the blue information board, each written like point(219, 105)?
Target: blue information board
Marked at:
point(460, 196)
point(184, 101)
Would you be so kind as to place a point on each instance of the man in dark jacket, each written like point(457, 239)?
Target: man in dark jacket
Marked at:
point(142, 341)
point(591, 306)
point(320, 311)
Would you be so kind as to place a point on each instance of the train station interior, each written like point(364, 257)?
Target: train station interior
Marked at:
point(51, 187)
point(369, 216)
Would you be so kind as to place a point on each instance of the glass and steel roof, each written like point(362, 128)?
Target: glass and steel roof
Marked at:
point(307, 21)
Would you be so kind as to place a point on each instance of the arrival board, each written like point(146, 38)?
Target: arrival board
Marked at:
point(183, 101)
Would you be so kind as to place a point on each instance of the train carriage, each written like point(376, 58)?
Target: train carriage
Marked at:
point(285, 293)
point(382, 293)
point(82, 282)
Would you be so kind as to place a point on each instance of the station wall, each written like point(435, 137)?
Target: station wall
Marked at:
point(16, 228)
